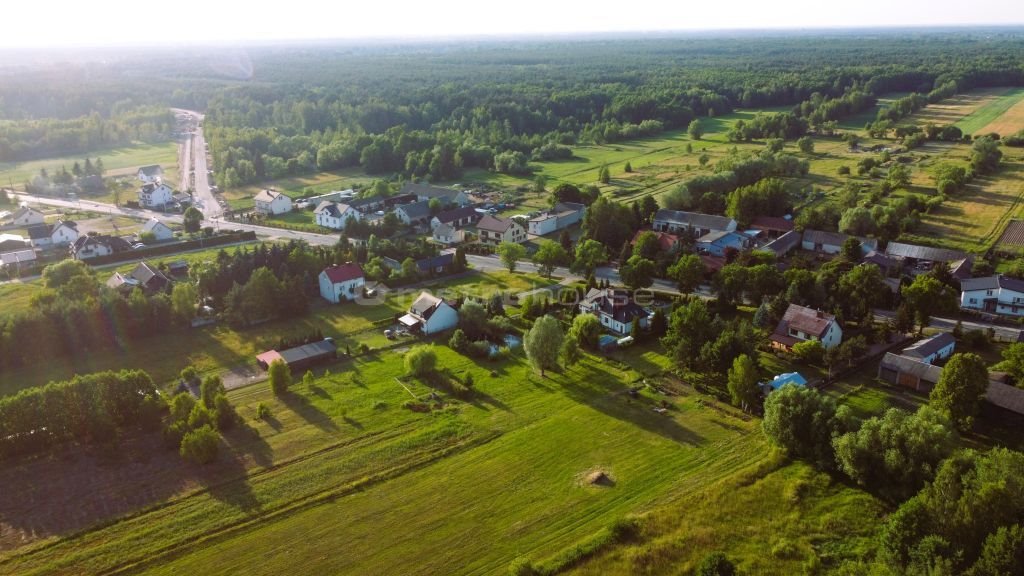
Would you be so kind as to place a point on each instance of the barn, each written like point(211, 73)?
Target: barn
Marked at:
point(908, 372)
point(301, 357)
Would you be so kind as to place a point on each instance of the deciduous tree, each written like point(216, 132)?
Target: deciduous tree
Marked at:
point(543, 343)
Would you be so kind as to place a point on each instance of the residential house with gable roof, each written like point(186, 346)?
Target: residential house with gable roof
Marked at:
point(342, 282)
point(801, 324)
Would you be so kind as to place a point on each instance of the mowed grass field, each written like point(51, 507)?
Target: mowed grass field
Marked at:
point(989, 118)
point(343, 480)
point(116, 161)
point(957, 108)
point(1009, 122)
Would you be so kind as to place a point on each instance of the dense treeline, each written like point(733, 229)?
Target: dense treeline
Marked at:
point(91, 408)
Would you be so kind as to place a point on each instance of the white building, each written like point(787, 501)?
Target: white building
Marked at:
point(160, 231)
point(494, 230)
point(565, 214)
point(414, 213)
point(696, 224)
point(615, 309)
point(63, 233)
point(272, 203)
point(342, 282)
point(931, 350)
point(445, 234)
point(24, 217)
point(150, 174)
point(430, 315)
point(17, 258)
point(334, 215)
point(800, 324)
point(154, 195)
point(993, 294)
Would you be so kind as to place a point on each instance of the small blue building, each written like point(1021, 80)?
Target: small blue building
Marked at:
point(794, 378)
point(716, 243)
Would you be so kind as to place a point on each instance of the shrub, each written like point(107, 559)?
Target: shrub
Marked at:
point(226, 415)
point(716, 564)
point(479, 349)
point(522, 567)
point(262, 411)
point(420, 361)
point(624, 529)
point(200, 446)
point(280, 377)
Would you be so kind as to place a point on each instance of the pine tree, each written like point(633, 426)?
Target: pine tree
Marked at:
point(629, 168)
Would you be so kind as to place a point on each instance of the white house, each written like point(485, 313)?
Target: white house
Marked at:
point(993, 294)
point(800, 324)
point(88, 247)
point(150, 174)
point(445, 234)
point(63, 233)
point(931, 350)
point(272, 203)
point(494, 230)
point(565, 214)
point(447, 196)
point(154, 194)
point(334, 215)
point(342, 282)
point(160, 231)
point(696, 224)
point(25, 216)
point(430, 315)
point(414, 212)
point(615, 309)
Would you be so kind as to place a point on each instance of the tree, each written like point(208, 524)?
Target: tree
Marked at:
point(927, 296)
point(543, 343)
point(566, 192)
point(802, 421)
point(610, 223)
point(851, 250)
point(192, 219)
point(809, 351)
point(985, 155)
point(200, 446)
point(280, 377)
point(548, 256)
point(806, 145)
point(421, 361)
point(1002, 553)
point(960, 389)
point(409, 269)
point(458, 342)
point(861, 290)
point(1013, 361)
point(589, 255)
point(570, 351)
point(716, 564)
point(211, 387)
point(183, 301)
point(539, 183)
point(646, 245)
point(510, 253)
point(857, 221)
point(742, 382)
point(586, 330)
point(628, 168)
point(695, 129)
point(637, 272)
point(688, 272)
point(473, 319)
point(603, 175)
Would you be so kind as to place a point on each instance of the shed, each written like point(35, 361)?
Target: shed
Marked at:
point(909, 372)
point(794, 378)
point(301, 357)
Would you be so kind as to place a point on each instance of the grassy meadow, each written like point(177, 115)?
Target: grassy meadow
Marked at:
point(116, 161)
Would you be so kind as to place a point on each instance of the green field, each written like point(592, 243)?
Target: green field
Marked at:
point(464, 489)
point(115, 161)
point(320, 183)
point(989, 112)
point(857, 121)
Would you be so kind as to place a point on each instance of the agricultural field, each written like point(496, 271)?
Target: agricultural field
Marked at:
point(960, 107)
point(116, 161)
point(319, 183)
point(1002, 115)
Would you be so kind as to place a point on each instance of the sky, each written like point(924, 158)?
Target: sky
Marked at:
point(61, 23)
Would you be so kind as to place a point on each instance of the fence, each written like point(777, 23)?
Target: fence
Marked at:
point(173, 247)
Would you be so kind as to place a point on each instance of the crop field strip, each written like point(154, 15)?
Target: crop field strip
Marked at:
point(988, 118)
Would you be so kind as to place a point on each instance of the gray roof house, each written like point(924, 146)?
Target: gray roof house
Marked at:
point(693, 222)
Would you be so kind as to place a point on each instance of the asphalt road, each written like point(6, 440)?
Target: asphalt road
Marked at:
point(196, 151)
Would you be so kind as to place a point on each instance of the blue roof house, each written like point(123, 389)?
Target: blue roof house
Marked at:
point(794, 378)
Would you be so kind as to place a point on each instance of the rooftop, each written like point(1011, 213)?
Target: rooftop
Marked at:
point(806, 320)
point(901, 250)
point(929, 346)
point(694, 219)
point(343, 272)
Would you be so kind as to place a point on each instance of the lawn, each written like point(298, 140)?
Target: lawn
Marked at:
point(502, 473)
point(319, 183)
point(986, 118)
point(116, 161)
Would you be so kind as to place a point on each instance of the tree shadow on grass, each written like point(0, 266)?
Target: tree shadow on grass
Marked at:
point(236, 493)
point(246, 440)
point(310, 413)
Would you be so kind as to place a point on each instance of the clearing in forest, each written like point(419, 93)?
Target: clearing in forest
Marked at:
point(1010, 121)
point(955, 109)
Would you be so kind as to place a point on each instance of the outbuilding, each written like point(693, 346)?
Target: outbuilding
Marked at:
point(301, 357)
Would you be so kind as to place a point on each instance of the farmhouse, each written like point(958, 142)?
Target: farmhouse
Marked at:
point(445, 234)
point(784, 244)
point(144, 276)
point(342, 282)
point(993, 294)
point(495, 230)
point(908, 372)
point(430, 315)
point(800, 324)
point(334, 215)
point(932, 350)
point(87, 247)
point(447, 196)
point(456, 218)
point(158, 229)
point(716, 243)
point(696, 224)
point(155, 195)
point(564, 214)
point(832, 242)
point(25, 216)
point(615, 309)
point(772, 226)
point(301, 357)
point(271, 203)
point(415, 213)
point(150, 174)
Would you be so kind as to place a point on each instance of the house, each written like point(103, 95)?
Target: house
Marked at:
point(696, 224)
point(791, 378)
point(144, 276)
point(178, 269)
point(150, 174)
point(784, 244)
point(342, 282)
point(161, 232)
point(923, 257)
point(436, 265)
point(445, 234)
point(563, 215)
point(430, 315)
point(800, 324)
point(931, 350)
point(87, 247)
point(832, 242)
point(456, 218)
point(908, 372)
point(415, 213)
point(24, 217)
point(17, 258)
point(615, 309)
point(716, 243)
point(993, 294)
point(63, 233)
point(367, 205)
point(272, 203)
point(666, 242)
point(772, 226)
point(155, 195)
point(301, 357)
point(11, 242)
point(447, 196)
point(334, 215)
point(495, 230)
point(39, 235)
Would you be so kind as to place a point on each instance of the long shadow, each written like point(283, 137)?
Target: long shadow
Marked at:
point(238, 492)
point(612, 401)
point(310, 413)
point(244, 439)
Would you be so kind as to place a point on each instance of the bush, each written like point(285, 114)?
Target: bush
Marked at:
point(262, 411)
point(226, 415)
point(522, 567)
point(468, 380)
point(200, 446)
point(479, 349)
point(716, 564)
point(458, 341)
point(421, 361)
point(280, 377)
